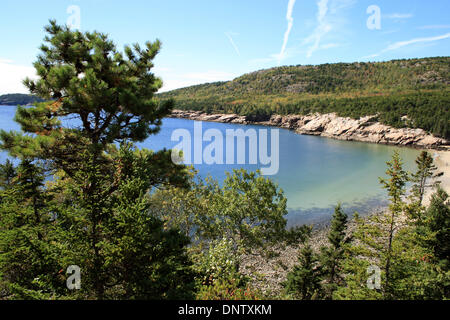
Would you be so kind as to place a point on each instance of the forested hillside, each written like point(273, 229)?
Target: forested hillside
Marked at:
point(413, 93)
point(15, 99)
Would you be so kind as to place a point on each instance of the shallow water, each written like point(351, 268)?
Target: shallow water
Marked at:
point(315, 173)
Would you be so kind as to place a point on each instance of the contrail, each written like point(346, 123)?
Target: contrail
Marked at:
point(290, 21)
point(228, 34)
point(322, 28)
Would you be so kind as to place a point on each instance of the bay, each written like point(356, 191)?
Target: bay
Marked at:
point(315, 173)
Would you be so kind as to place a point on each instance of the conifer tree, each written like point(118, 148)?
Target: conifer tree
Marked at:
point(29, 266)
point(438, 221)
point(395, 185)
point(331, 257)
point(303, 282)
point(109, 98)
point(7, 173)
point(426, 170)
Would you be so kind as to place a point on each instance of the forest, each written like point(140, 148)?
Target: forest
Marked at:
point(403, 93)
point(135, 225)
point(15, 99)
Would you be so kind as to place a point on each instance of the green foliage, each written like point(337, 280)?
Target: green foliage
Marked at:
point(14, 99)
point(219, 262)
point(416, 88)
point(210, 212)
point(29, 267)
point(425, 171)
point(7, 173)
point(303, 282)
point(438, 222)
point(405, 249)
point(331, 257)
point(94, 210)
point(109, 92)
point(228, 290)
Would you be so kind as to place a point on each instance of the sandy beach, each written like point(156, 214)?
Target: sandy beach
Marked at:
point(442, 161)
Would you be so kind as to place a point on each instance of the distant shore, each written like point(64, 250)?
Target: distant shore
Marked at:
point(365, 129)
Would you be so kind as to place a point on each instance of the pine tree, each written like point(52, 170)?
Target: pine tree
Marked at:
point(331, 257)
point(83, 76)
point(395, 185)
point(425, 170)
point(7, 173)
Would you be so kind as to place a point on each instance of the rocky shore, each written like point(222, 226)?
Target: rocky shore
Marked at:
point(365, 129)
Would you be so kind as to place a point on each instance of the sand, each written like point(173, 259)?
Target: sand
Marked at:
point(442, 161)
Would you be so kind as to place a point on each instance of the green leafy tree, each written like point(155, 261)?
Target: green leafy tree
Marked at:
point(208, 211)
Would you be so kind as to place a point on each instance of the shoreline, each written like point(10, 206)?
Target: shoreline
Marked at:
point(347, 129)
point(365, 129)
point(268, 274)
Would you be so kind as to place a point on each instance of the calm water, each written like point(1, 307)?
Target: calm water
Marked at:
point(315, 173)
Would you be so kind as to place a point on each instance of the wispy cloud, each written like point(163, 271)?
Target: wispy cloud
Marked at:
point(229, 36)
point(323, 27)
point(329, 46)
point(398, 15)
point(433, 27)
point(400, 44)
point(290, 21)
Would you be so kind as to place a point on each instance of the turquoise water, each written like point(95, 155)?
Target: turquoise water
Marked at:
point(315, 173)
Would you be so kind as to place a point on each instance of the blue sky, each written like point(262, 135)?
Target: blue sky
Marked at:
point(214, 40)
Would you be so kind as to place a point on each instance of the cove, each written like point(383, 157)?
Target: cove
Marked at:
point(315, 173)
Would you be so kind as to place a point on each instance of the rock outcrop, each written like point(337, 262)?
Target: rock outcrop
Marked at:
point(330, 125)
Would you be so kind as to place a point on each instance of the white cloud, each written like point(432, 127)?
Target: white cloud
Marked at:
point(290, 21)
point(400, 44)
point(12, 75)
point(323, 27)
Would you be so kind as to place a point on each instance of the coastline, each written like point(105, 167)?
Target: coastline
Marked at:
point(269, 273)
point(365, 129)
point(442, 162)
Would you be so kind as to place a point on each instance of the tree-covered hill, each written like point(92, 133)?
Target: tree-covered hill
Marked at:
point(14, 99)
point(415, 88)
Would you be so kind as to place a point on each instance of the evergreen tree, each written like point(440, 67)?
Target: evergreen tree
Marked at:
point(395, 184)
point(303, 282)
point(98, 216)
point(331, 257)
point(425, 171)
point(7, 173)
point(438, 222)
point(29, 266)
